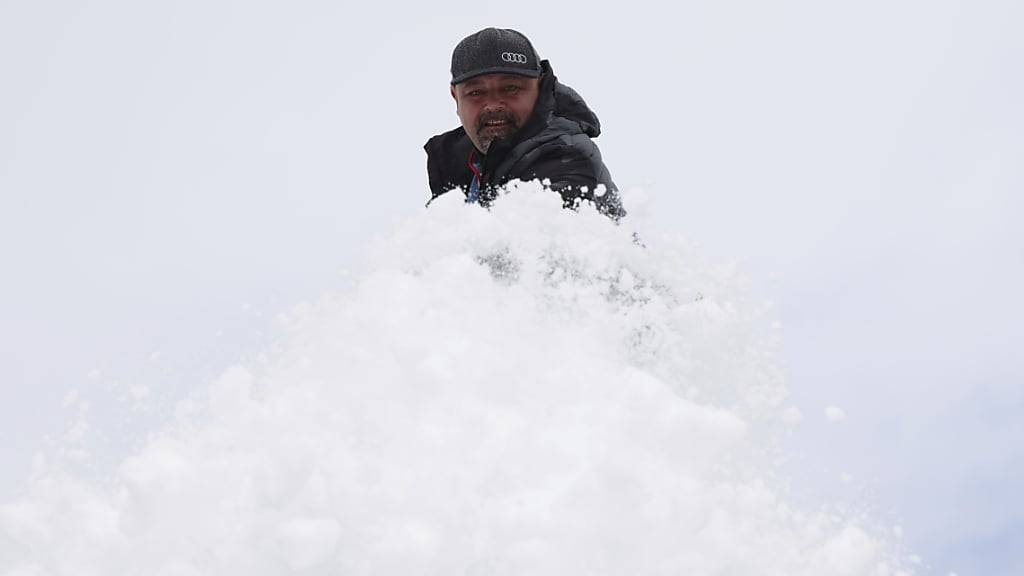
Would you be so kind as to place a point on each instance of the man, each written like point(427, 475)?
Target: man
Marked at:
point(518, 122)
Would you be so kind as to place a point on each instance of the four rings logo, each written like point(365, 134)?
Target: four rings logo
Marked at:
point(513, 57)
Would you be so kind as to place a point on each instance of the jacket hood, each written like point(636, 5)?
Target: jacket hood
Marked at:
point(560, 100)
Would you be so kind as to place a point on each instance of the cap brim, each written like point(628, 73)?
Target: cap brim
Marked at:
point(496, 70)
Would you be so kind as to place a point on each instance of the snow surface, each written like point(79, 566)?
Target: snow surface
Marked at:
point(524, 390)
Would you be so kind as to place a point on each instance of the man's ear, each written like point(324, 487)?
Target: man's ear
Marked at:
point(453, 95)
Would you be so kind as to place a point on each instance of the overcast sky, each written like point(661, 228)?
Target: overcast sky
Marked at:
point(172, 175)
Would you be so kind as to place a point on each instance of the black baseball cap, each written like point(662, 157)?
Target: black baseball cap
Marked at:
point(494, 51)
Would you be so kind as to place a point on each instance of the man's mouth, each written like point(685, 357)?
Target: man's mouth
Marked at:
point(501, 121)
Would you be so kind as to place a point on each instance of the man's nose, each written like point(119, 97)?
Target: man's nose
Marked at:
point(494, 103)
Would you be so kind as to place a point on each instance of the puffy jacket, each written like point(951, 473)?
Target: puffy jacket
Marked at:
point(554, 144)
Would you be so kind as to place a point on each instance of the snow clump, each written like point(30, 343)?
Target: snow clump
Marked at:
point(520, 390)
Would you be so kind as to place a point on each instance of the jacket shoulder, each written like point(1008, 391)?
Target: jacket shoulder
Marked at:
point(446, 157)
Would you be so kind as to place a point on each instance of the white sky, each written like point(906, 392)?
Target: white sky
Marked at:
point(173, 175)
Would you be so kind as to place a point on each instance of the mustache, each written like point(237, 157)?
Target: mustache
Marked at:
point(500, 115)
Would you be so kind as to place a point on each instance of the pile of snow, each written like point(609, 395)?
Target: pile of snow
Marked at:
point(525, 390)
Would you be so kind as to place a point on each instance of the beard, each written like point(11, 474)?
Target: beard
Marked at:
point(487, 135)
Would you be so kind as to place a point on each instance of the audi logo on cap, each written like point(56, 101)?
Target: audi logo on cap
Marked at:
point(514, 57)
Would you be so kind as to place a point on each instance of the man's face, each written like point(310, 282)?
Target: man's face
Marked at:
point(494, 106)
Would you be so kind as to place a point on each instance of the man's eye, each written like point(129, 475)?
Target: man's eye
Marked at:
point(511, 89)
point(475, 92)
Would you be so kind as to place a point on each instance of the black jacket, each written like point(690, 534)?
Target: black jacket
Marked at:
point(554, 144)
